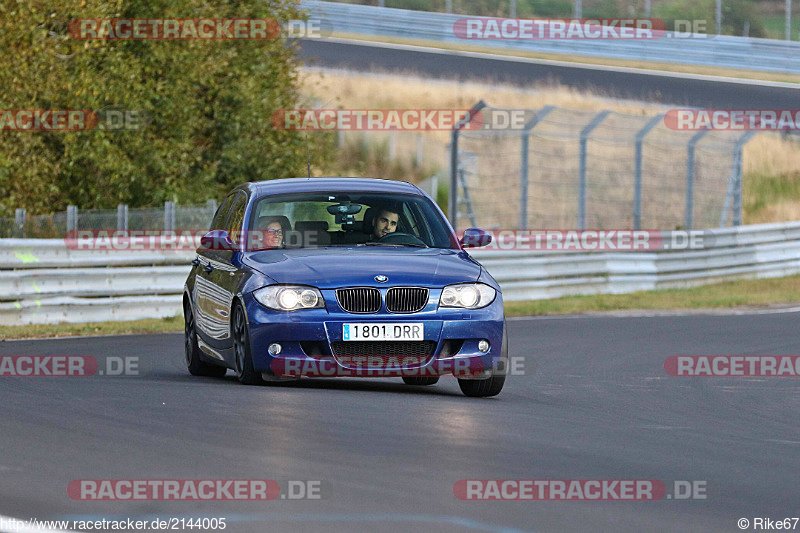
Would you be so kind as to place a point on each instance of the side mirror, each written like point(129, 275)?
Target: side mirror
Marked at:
point(475, 238)
point(217, 239)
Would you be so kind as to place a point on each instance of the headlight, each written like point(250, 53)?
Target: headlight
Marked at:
point(289, 297)
point(467, 296)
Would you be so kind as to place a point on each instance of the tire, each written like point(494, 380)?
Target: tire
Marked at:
point(420, 381)
point(483, 388)
point(241, 348)
point(196, 366)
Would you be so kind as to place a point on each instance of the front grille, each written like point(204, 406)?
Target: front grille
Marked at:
point(383, 354)
point(406, 299)
point(359, 299)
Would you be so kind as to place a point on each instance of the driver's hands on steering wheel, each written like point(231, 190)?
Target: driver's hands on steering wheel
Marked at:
point(402, 238)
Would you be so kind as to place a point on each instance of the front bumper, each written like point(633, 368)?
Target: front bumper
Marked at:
point(309, 338)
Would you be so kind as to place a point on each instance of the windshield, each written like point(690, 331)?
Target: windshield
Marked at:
point(305, 220)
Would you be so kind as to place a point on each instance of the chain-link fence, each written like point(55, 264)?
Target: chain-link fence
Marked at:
point(562, 169)
point(599, 170)
point(55, 226)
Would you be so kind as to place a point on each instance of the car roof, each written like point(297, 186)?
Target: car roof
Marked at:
point(326, 184)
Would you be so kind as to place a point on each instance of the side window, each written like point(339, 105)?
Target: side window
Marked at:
point(413, 226)
point(234, 225)
point(221, 216)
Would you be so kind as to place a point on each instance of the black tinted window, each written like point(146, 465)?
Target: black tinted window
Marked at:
point(221, 216)
point(236, 218)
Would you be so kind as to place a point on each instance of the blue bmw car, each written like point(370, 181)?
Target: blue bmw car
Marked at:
point(330, 277)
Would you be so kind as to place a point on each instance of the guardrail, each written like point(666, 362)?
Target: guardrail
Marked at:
point(712, 50)
point(44, 281)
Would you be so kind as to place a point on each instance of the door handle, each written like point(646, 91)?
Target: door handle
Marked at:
point(209, 268)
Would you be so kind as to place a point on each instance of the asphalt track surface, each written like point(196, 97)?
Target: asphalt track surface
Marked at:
point(650, 87)
point(594, 403)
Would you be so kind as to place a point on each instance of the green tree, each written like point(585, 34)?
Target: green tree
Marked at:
point(208, 104)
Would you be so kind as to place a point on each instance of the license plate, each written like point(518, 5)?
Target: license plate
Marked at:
point(411, 331)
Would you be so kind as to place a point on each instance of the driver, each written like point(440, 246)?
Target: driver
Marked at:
point(384, 223)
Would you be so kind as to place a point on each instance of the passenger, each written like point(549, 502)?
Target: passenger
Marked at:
point(270, 232)
point(273, 235)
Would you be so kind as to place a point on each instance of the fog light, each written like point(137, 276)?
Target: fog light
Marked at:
point(274, 348)
point(483, 345)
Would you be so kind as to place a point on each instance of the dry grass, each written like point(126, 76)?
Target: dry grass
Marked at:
point(770, 162)
point(133, 327)
point(746, 293)
point(772, 155)
point(409, 91)
point(782, 211)
point(772, 179)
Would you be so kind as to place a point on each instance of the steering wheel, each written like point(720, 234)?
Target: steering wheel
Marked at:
point(401, 238)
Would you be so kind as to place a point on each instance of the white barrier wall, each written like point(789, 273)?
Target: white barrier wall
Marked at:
point(45, 282)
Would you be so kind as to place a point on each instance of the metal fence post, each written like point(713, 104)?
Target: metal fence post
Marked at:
point(452, 201)
point(585, 132)
point(122, 217)
point(72, 218)
point(734, 192)
point(737, 196)
point(19, 223)
point(690, 177)
point(526, 135)
point(169, 216)
point(637, 178)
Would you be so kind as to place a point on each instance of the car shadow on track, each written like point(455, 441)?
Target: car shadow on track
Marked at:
point(346, 384)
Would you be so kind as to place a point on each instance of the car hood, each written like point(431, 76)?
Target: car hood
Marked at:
point(331, 267)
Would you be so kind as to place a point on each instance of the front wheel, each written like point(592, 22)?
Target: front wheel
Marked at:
point(241, 349)
point(481, 388)
point(196, 366)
